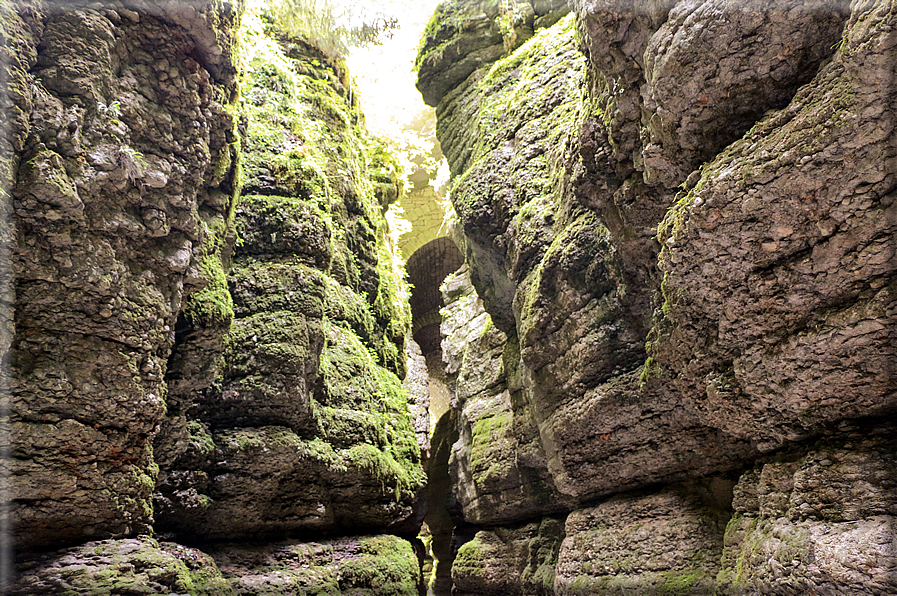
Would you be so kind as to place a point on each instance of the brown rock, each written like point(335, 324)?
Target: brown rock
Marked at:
point(664, 542)
point(109, 234)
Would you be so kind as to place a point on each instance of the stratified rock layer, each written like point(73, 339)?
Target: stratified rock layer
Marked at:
point(184, 362)
point(686, 247)
point(124, 149)
point(464, 35)
point(510, 560)
point(304, 425)
point(125, 566)
point(666, 542)
point(367, 565)
point(497, 466)
point(819, 521)
point(779, 268)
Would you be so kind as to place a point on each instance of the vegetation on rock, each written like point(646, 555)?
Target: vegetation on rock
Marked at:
point(310, 383)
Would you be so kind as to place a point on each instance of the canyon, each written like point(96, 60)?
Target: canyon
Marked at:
point(651, 349)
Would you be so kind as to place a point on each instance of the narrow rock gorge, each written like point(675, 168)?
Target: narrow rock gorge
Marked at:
point(652, 351)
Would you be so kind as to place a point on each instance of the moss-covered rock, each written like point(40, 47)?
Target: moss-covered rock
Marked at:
point(510, 560)
point(131, 566)
point(667, 542)
point(284, 226)
point(803, 525)
point(497, 466)
point(465, 35)
point(365, 565)
point(308, 420)
point(121, 210)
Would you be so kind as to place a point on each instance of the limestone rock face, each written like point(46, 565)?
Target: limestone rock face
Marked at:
point(497, 466)
point(805, 524)
point(124, 148)
point(190, 357)
point(371, 565)
point(796, 318)
point(685, 244)
point(304, 424)
point(637, 542)
point(416, 381)
point(464, 35)
point(713, 69)
point(131, 565)
point(557, 289)
point(510, 560)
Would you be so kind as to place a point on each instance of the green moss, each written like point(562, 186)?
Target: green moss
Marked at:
point(316, 263)
point(392, 309)
point(583, 246)
point(761, 543)
point(386, 566)
point(444, 24)
point(285, 227)
point(278, 342)
point(266, 286)
point(679, 584)
point(47, 167)
point(348, 309)
point(307, 136)
point(472, 556)
point(316, 452)
point(224, 161)
point(344, 427)
point(212, 305)
point(489, 326)
point(199, 438)
point(385, 172)
point(393, 473)
point(301, 174)
point(651, 369)
point(672, 296)
point(366, 411)
point(490, 435)
point(137, 566)
point(513, 95)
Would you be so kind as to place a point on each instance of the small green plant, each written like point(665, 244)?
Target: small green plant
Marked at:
point(113, 108)
point(132, 162)
point(507, 20)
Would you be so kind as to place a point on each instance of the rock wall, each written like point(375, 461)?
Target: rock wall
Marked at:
point(210, 316)
point(305, 425)
point(123, 149)
point(679, 224)
point(671, 348)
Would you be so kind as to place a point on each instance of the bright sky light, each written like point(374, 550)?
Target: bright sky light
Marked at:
point(384, 74)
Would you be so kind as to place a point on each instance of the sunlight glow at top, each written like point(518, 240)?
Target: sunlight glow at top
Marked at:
point(383, 73)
